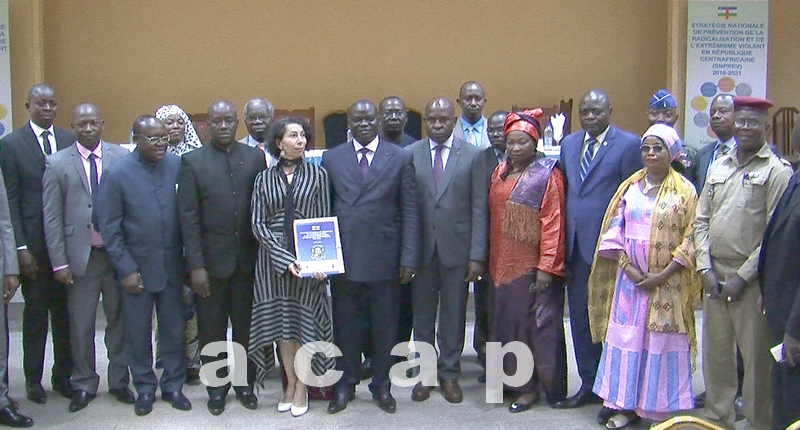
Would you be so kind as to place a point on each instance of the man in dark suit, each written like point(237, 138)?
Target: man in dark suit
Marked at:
point(22, 154)
point(487, 161)
point(77, 253)
point(453, 218)
point(721, 113)
point(393, 120)
point(595, 161)
point(375, 198)
point(779, 280)
point(137, 211)
point(214, 190)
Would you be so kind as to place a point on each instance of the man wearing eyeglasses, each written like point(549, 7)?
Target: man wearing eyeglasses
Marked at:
point(741, 192)
point(22, 154)
point(77, 253)
point(137, 212)
point(258, 114)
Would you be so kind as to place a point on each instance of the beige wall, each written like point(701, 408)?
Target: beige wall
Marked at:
point(131, 56)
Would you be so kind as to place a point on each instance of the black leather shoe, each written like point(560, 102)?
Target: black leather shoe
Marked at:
point(36, 393)
point(482, 378)
point(604, 415)
point(385, 401)
point(80, 400)
point(216, 404)
point(177, 400)
point(192, 376)
point(123, 395)
point(11, 418)
point(738, 408)
point(584, 396)
point(63, 386)
point(700, 400)
point(339, 402)
point(248, 399)
point(144, 404)
point(366, 369)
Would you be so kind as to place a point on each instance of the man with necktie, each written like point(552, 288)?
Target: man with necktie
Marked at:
point(375, 197)
point(78, 255)
point(471, 125)
point(22, 154)
point(595, 161)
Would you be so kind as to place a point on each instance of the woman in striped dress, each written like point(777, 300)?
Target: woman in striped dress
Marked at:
point(288, 309)
point(642, 289)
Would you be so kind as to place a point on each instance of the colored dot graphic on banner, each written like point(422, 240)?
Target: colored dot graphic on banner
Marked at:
point(3, 114)
point(708, 91)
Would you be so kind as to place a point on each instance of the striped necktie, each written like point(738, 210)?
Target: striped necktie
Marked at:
point(588, 155)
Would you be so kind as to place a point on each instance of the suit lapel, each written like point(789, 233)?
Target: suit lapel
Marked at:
point(62, 139)
point(452, 162)
point(77, 162)
point(425, 165)
point(786, 207)
point(379, 161)
point(32, 143)
point(351, 163)
point(601, 151)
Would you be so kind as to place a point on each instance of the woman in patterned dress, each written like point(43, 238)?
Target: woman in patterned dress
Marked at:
point(288, 309)
point(642, 288)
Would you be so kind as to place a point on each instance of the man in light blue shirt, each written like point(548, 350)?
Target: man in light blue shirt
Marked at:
point(471, 125)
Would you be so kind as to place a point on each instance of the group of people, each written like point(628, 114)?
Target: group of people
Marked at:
point(628, 230)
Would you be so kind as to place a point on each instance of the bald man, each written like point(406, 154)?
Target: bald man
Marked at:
point(454, 222)
point(77, 253)
point(471, 125)
point(258, 114)
point(22, 154)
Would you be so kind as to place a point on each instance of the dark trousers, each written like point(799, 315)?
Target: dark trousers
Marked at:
point(482, 297)
point(231, 299)
point(405, 321)
point(785, 388)
point(587, 354)
point(45, 300)
point(382, 300)
point(137, 316)
point(441, 288)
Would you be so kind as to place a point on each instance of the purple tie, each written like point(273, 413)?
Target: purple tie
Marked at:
point(438, 166)
point(364, 163)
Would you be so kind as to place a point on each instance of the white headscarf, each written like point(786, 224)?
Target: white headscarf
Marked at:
point(190, 140)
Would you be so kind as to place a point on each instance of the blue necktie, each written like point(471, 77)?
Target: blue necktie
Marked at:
point(588, 155)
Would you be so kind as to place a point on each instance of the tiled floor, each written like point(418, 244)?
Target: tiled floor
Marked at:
point(106, 413)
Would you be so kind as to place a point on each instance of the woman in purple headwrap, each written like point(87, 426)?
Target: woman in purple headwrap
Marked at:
point(642, 288)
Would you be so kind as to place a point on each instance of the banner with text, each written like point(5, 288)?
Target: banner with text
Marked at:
point(5, 73)
point(726, 52)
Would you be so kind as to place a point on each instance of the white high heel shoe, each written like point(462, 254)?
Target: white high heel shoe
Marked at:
point(298, 410)
point(284, 407)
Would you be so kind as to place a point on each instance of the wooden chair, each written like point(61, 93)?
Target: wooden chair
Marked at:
point(686, 422)
point(307, 114)
point(335, 124)
point(782, 125)
point(564, 107)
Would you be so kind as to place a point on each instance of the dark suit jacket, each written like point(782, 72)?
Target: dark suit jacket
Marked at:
point(701, 162)
point(454, 217)
point(405, 140)
point(214, 192)
point(616, 159)
point(778, 273)
point(137, 212)
point(379, 215)
point(23, 166)
point(486, 163)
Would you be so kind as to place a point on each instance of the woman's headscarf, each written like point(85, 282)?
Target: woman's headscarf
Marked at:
point(669, 136)
point(190, 139)
point(527, 121)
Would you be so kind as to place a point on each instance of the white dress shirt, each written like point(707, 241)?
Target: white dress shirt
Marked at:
point(601, 138)
point(372, 146)
point(448, 144)
point(50, 137)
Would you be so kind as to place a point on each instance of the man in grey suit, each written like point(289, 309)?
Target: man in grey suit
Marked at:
point(453, 219)
point(78, 255)
point(10, 276)
point(471, 125)
point(258, 114)
point(137, 211)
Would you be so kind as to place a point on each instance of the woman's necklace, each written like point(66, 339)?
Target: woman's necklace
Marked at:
point(649, 186)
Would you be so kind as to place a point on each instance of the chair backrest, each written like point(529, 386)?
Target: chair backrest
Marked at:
point(335, 125)
point(414, 124)
point(306, 114)
point(201, 126)
point(782, 125)
point(686, 422)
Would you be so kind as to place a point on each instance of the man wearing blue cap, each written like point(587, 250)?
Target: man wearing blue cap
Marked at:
point(662, 108)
